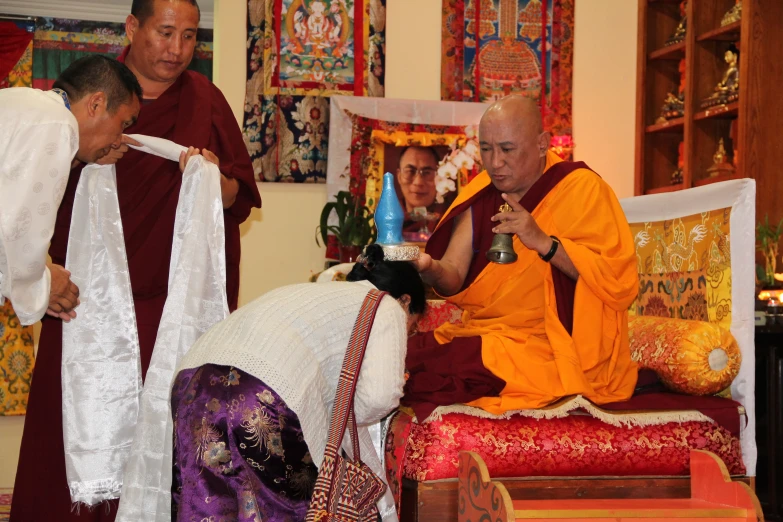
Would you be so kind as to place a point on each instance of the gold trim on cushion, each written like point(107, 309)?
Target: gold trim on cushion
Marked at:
point(566, 405)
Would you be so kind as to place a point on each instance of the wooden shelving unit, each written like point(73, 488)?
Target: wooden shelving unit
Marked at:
point(751, 127)
point(670, 52)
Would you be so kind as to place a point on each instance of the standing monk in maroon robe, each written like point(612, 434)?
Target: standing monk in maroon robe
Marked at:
point(181, 106)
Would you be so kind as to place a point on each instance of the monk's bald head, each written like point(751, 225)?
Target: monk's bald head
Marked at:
point(519, 111)
point(513, 143)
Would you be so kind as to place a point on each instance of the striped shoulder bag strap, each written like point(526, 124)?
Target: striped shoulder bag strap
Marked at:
point(346, 490)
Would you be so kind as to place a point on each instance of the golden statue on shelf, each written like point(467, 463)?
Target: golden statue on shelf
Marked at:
point(727, 89)
point(733, 15)
point(673, 107)
point(720, 163)
point(679, 32)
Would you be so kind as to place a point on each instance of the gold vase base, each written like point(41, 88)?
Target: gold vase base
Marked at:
point(400, 252)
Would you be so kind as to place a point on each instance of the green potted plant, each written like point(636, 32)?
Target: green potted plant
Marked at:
point(354, 229)
point(768, 239)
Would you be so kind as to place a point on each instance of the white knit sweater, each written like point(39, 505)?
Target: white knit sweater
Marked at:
point(294, 340)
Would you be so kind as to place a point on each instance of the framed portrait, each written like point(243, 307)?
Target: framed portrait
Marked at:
point(408, 138)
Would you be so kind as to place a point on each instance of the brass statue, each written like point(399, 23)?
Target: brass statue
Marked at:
point(679, 32)
point(732, 15)
point(720, 163)
point(502, 249)
point(673, 107)
point(727, 89)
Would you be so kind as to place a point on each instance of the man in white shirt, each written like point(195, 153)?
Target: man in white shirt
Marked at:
point(42, 134)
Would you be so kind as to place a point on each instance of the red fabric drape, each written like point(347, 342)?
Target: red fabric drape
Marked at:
point(13, 42)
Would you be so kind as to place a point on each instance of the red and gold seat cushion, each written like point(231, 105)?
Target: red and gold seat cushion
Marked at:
point(573, 446)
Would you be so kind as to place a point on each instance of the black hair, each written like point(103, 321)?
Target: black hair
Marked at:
point(143, 9)
point(398, 278)
point(98, 73)
point(431, 150)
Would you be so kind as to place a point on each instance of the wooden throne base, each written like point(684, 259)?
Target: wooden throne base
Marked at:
point(436, 501)
point(712, 496)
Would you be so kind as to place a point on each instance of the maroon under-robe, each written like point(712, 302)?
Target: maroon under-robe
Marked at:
point(192, 112)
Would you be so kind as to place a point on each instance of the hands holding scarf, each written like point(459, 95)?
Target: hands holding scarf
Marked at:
point(229, 187)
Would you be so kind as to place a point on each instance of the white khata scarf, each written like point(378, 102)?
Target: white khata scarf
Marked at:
point(118, 434)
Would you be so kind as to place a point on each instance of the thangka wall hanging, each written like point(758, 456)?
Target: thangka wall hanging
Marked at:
point(54, 43)
point(16, 362)
point(58, 42)
point(300, 52)
point(492, 48)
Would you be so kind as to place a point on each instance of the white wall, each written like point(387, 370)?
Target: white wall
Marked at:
point(278, 245)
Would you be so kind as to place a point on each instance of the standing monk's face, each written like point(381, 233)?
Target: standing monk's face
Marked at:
point(164, 44)
point(511, 151)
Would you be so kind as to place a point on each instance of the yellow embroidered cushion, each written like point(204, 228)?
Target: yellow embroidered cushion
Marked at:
point(691, 357)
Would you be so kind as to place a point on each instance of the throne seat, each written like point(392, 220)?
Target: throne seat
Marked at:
point(695, 261)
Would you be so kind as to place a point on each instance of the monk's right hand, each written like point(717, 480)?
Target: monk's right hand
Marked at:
point(185, 156)
point(63, 294)
point(423, 263)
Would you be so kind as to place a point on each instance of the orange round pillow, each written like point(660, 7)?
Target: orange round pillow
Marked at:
point(691, 357)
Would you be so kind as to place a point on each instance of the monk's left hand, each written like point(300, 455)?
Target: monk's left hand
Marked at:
point(229, 187)
point(520, 222)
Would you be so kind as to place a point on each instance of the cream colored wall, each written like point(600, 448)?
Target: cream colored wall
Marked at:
point(278, 244)
point(413, 49)
point(604, 101)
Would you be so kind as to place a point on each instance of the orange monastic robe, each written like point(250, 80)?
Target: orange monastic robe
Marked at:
point(513, 307)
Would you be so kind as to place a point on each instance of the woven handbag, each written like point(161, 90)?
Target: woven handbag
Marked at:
point(346, 490)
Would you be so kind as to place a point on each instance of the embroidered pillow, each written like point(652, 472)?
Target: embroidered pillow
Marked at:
point(436, 313)
point(691, 357)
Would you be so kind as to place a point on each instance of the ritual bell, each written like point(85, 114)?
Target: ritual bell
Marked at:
point(502, 250)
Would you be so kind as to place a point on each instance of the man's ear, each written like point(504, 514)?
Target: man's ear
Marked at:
point(95, 102)
point(405, 300)
point(544, 141)
point(131, 26)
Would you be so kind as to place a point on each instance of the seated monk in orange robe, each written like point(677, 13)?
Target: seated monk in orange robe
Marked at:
point(550, 325)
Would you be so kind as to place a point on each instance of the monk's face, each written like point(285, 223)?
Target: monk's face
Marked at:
point(101, 128)
point(512, 151)
point(416, 176)
point(164, 43)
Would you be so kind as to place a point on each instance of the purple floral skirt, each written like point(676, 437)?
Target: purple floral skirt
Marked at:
point(239, 452)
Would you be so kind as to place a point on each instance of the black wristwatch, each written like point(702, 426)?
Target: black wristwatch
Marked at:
point(549, 255)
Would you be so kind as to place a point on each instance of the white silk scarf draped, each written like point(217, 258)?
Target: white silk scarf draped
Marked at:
point(118, 434)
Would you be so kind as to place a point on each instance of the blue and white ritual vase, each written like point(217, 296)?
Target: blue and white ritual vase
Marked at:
point(388, 223)
point(388, 214)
